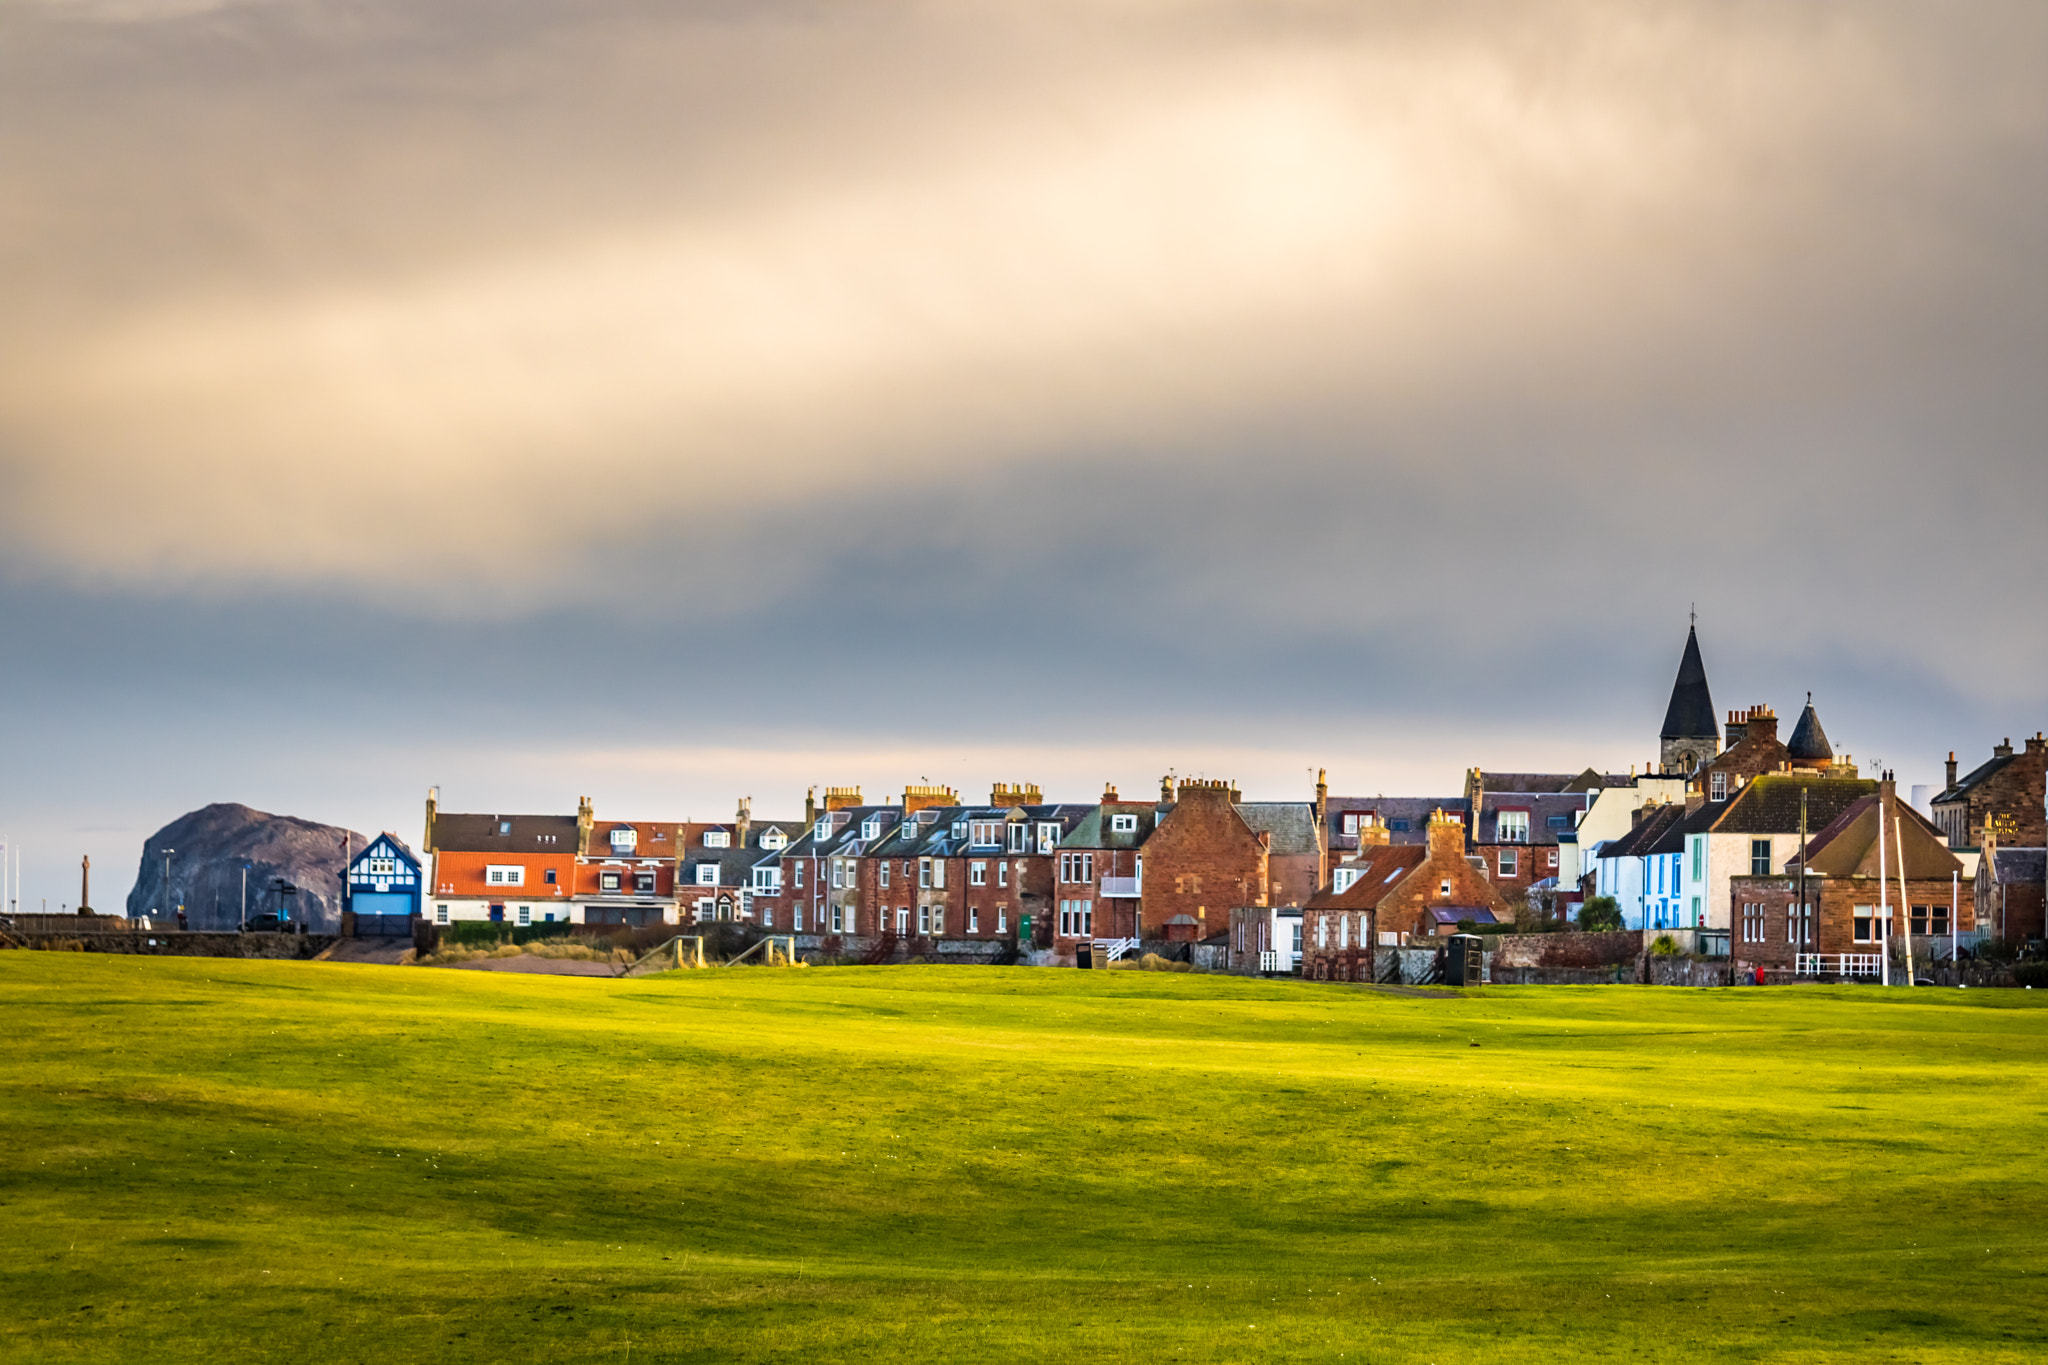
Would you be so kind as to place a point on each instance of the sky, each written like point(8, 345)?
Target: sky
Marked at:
point(670, 402)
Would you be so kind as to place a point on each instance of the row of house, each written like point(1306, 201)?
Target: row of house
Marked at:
point(1726, 830)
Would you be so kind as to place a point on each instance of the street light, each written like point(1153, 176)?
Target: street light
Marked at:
point(168, 906)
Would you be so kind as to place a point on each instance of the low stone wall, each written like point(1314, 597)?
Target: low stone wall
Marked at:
point(821, 948)
point(1573, 950)
point(172, 944)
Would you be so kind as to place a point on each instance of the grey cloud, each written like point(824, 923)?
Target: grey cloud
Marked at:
point(492, 376)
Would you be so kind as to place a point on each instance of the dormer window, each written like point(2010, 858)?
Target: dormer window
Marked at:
point(823, 830)
point(717, 838)
point(1048, 837)
point(987, 834)
point(1123, 824)
point(1512, 827)
point(707, 874)
point(625, 839)
point(959, 829)
point(871, 828)
point(774, 839)
point(1020, 837)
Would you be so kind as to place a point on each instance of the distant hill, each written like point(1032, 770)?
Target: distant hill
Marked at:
point(214, 842)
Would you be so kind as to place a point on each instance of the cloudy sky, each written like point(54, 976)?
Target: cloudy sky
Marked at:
point(673, 401)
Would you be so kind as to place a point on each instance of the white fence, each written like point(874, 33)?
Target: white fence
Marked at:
point(1839, 964)
point(1113, 949)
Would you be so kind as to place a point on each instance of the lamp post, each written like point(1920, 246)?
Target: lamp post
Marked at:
point(245, 896)
point(169, 908)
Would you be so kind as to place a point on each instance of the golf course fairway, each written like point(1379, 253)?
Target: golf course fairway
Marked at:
point(211, 1161)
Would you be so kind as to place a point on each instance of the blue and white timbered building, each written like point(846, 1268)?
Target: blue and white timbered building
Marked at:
point(384, 888)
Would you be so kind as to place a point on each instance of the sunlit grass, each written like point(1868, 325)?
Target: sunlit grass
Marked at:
point(211, 1160)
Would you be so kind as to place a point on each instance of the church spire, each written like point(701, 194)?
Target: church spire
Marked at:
point(1691, 734)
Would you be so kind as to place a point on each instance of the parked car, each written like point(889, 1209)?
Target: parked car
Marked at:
point(266, 924)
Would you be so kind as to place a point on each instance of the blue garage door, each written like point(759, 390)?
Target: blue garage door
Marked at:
point(382, 912)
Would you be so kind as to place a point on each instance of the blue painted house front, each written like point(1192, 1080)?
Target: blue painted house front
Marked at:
point(384, 888)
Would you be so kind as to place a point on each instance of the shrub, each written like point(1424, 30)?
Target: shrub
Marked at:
point(1600, 915)
point(1664, 947)
point(2033, 974)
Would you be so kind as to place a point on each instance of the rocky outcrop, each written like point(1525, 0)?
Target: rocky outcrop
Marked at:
point(215, 843)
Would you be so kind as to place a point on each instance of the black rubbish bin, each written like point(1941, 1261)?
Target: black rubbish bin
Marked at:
point(1084, 957)
point(1464, 963)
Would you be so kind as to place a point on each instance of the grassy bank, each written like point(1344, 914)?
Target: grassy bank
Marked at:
point(225, 1160)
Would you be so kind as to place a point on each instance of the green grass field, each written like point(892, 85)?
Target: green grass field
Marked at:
point(215, 1161)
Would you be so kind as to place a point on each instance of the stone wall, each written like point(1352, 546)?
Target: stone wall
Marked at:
point(172, 944)
point(1577, 951)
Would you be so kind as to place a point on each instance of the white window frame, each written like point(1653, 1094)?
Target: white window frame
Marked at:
point(525, 915)
point(707, 874)
point(503, 874)
point(973, 919)
point(440, 914)
point(1510, 862)
point(1511, 827)
point(1717, 790)
point(882, 874)
point(977, 874)
point(1123, 824)
point(717, 838)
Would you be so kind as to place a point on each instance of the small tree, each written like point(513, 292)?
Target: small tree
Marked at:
point(1600, 915)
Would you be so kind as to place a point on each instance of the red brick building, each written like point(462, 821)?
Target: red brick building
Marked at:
point(1202, 859)
point(1394, 894)
point(1846, 910)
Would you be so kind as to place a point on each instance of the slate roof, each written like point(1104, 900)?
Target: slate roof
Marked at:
point(1672, 839)
point(1691, 714)
point(1585, 781)
point(1451, 914)
point(1540, 807)
point(1092, 830)
point(2015, 865)
point(1291, 823)
point(1770, 804)
point(1809, 743)
point(1644, 833)
point(1414, 810)
point(528, 833)
point(1981, 773)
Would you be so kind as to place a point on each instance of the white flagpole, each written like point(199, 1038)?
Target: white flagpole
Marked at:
point(1905, 911)
point(1955, 929)
point(1884, 908)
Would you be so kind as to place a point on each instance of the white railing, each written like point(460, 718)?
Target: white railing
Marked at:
point(1839, 964)
point(1113, 949)
point(1270, 962)
point(1122, 886)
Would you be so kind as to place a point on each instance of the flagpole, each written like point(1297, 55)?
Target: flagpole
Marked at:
point(1955, 929)
point(1905, 913)
point(1884, 956)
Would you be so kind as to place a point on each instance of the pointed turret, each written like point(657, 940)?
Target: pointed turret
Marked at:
point(1691, 733)
point(1809, 747)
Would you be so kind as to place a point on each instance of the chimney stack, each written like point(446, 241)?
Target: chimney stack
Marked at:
point(433, 804)
point(810, 806)
point(1951, 768)
point(743, 820)
point(2004, 750)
